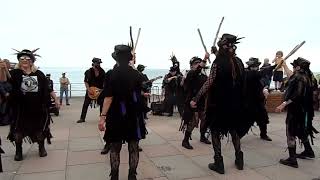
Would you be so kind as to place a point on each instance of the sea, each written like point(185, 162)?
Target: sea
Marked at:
point(76, 78)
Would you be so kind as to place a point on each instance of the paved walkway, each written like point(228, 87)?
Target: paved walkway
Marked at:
point(75, 153)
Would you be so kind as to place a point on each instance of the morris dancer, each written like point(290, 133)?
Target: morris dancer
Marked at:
point(191, 116)
point(300, 112)
point(29, 100)
point(225, 106)
point(122, 115)
point(256, 92)
point(174, 92)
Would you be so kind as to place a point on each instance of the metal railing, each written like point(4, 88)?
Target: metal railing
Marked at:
point(78, 89)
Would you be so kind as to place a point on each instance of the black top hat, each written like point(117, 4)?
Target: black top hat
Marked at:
point(253, 62)
point(228, 39)
point(122, 53)
point(301, 62)
point(140, 67)
point(96, 60)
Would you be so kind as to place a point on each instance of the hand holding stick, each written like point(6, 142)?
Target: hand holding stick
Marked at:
point(204, 46)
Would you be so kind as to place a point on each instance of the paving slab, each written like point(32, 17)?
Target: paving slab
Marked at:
point(280, 171)
point(75, 153)
point(55, 175)
point(178, 167)
point(85, 144)
point(55, 161)
point(6, 176)
point(98, 171)
point(85, 157)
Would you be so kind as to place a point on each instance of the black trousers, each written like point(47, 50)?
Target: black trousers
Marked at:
point(85, 106)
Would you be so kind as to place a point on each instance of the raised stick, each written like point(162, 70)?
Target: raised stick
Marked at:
point(204, 46)
point(295, 49)
point(135, 46)
point(217, 34)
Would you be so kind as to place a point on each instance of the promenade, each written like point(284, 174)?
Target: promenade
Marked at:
point(75, 153)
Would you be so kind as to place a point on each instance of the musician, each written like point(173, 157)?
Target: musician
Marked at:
point(225, 104)
point(191, 116)
point(146, 88)
point(300, 112)
point(278, 73)
point(174, 92)
point(93, 77)
point(256, 92)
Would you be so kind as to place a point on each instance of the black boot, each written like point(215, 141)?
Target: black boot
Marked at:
point(81, 121)
point(106, 149)
point(239, 160)
point(263, 133)
point(132, 174)
point(292, 160)
point(114, 175)
point(204, 139)
point(218, 165)
point(185, 142)
point(42, 150)
point(18, 156)
point(308, 152)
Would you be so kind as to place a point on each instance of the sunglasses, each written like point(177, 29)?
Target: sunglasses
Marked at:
point(24, 58)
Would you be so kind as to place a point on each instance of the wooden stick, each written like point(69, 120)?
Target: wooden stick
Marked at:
point(132, 46)
point(294, 50)
point(215, 39)
point(204, 46)
point(135, 46)
point(132, 43)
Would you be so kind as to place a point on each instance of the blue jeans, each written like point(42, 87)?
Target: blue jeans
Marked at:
point(66, 92)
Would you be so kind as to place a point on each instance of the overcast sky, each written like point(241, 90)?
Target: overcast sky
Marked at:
point(70, 33)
